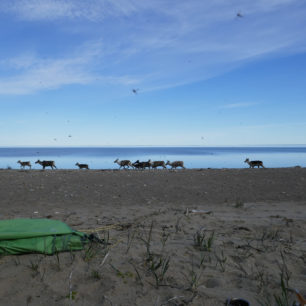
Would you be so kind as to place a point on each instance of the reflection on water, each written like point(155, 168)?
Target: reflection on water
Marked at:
point(193, 157)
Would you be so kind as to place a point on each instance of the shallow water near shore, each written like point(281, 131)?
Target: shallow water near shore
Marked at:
point(193, 157)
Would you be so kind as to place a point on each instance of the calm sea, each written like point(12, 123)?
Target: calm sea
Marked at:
point(193, 157)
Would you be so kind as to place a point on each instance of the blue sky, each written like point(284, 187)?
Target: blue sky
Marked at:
point(203, 75)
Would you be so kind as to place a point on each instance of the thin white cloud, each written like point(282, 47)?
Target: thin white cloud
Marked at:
point(274, 125)
point(153, 44)
point(31, 74)
point(238, 105)
point(92, 10)
point(50, 74)
point(203, 12)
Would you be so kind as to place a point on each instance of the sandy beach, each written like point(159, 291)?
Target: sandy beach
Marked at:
point(184, 237)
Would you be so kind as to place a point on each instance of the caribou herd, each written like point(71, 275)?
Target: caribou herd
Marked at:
point(126, 164)
point(148, 164)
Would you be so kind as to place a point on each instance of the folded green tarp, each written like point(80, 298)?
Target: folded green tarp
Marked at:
point(18, 236)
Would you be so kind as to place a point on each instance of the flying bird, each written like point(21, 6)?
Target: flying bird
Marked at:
point(239, 15)
point(135, 91)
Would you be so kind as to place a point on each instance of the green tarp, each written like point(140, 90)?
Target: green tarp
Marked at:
point(47, 236)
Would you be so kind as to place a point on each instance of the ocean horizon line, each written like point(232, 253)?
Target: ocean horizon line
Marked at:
point(161, 146)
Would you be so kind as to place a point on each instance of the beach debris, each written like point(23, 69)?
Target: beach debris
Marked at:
point(75, 222)
point(236, 302)
point(124, 226)
point(242, 228)
point(195, 211)
point(178, 298)
point(70, 287)
point(100, 221)
point(301, 299)
point(104, 259)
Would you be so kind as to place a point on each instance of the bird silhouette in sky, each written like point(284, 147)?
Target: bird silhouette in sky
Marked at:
point(135, 91)
point(239, 15)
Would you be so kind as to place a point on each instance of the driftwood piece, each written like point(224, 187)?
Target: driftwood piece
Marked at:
point(195, 211)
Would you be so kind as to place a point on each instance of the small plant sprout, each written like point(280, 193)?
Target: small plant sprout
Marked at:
point(90, 253)
point(138, 277)
point(202, 259)
point(178, 228)
point(221, 260)
point(194, 278)
point(164, 238)
point(282, 299)
point(147, 242)
point(202, 242)
point(239, 203)
point(95, 274)
point(285, 273)
point(58, 263)
point(16, 260)
point(123, 275)
point(262, 278)
point(34, 267)
point(159, 268)
point(130, 239)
